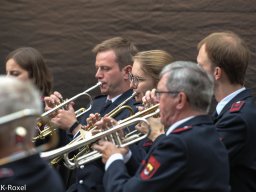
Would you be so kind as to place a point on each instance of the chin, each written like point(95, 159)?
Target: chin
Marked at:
point(103, 91)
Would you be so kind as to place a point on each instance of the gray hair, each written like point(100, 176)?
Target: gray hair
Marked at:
point(16, 95)
point(191, 79)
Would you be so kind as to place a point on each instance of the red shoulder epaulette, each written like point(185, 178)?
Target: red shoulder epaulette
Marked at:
point(178, 130)
point(236, 106)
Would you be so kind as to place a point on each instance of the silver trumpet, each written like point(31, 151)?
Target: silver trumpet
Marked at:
point(46, 129)
point(115, 134)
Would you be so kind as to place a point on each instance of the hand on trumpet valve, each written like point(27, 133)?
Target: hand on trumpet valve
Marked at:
point(65, 118)
point(149, 99)
point(91, 120)
point(103, 124)
point(52, 100)
point(107, 149)
point(156, 126)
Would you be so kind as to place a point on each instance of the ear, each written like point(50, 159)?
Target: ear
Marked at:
point(181, 100)
point(217, 74)
point(126, 70)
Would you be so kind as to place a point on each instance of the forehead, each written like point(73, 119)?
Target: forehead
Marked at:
point(162, 83)
point(106, 58)
point(11, 64)
point(202, 55)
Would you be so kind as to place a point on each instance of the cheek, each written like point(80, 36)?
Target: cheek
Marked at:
point(144, 86)
point(24, 76)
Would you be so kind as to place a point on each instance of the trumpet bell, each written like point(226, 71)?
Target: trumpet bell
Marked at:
point(46, 129)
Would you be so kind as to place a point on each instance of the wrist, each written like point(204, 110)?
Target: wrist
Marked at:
point(73, 127)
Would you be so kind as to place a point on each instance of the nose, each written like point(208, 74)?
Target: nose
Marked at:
point(99, 74)
point(132, 85)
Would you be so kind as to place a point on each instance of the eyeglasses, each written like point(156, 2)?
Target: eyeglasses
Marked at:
point(135, 79)
point(158, 93)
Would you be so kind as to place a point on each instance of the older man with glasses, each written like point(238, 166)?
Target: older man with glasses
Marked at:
point(189, 156)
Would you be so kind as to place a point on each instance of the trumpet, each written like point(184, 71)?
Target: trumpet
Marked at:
point(86, 142)
point(45, 130)
point(22, 132)
point(114, 137)
point(121, 141)
point(85, 134)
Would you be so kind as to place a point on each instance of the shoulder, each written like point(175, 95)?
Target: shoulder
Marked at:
point(99, 99)
point(242, 102)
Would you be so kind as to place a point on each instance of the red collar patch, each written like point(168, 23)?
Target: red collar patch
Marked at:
point(178, 130)
point(6, 172)
point(150, 168)
point(147, 144)
point(237, 106)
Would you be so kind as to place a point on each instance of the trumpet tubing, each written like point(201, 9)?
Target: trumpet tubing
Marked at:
point(121, 107)
point(112, 134)
point(46, 129)
point(87, 142)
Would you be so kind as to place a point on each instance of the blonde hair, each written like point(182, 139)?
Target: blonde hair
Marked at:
point(153, 61)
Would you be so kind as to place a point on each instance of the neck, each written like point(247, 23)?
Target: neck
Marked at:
point(224, 89)
point(185, 114)
point(119, 92)
point(10, 150)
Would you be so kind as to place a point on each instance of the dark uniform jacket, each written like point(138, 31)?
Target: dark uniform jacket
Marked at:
point(236, 125)
point(31, 174)
point(89, 177)
point(191, 158)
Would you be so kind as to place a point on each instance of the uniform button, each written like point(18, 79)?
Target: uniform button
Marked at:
point(82, 166)
point(81, 181)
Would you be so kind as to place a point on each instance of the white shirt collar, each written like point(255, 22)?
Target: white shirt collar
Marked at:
point(228, 98)
point(176, 124)
point(114, 98)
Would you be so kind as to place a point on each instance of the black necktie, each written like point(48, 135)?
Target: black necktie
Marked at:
point(214, 116)
point(107, 104)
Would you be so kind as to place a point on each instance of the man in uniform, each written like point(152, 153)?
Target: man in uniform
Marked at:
point(113, 65)
point(225, 56)
point(21, 168)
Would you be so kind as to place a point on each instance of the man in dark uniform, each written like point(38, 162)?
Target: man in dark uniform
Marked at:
point(225, 56)
point(113, 64)
point(190, 156)
point(21, 168)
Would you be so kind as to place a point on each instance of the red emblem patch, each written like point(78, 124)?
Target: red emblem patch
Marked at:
point(237, 106)
point(150, 168)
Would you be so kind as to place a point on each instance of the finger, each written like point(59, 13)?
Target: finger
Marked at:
point(140, 108)
point(57, 94)
point(98, 117)
point(97, 147)
point(71, 108)
point(95, 131)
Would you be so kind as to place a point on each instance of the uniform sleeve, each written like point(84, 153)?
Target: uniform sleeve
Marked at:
point(160, 170)
point(232, 132)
